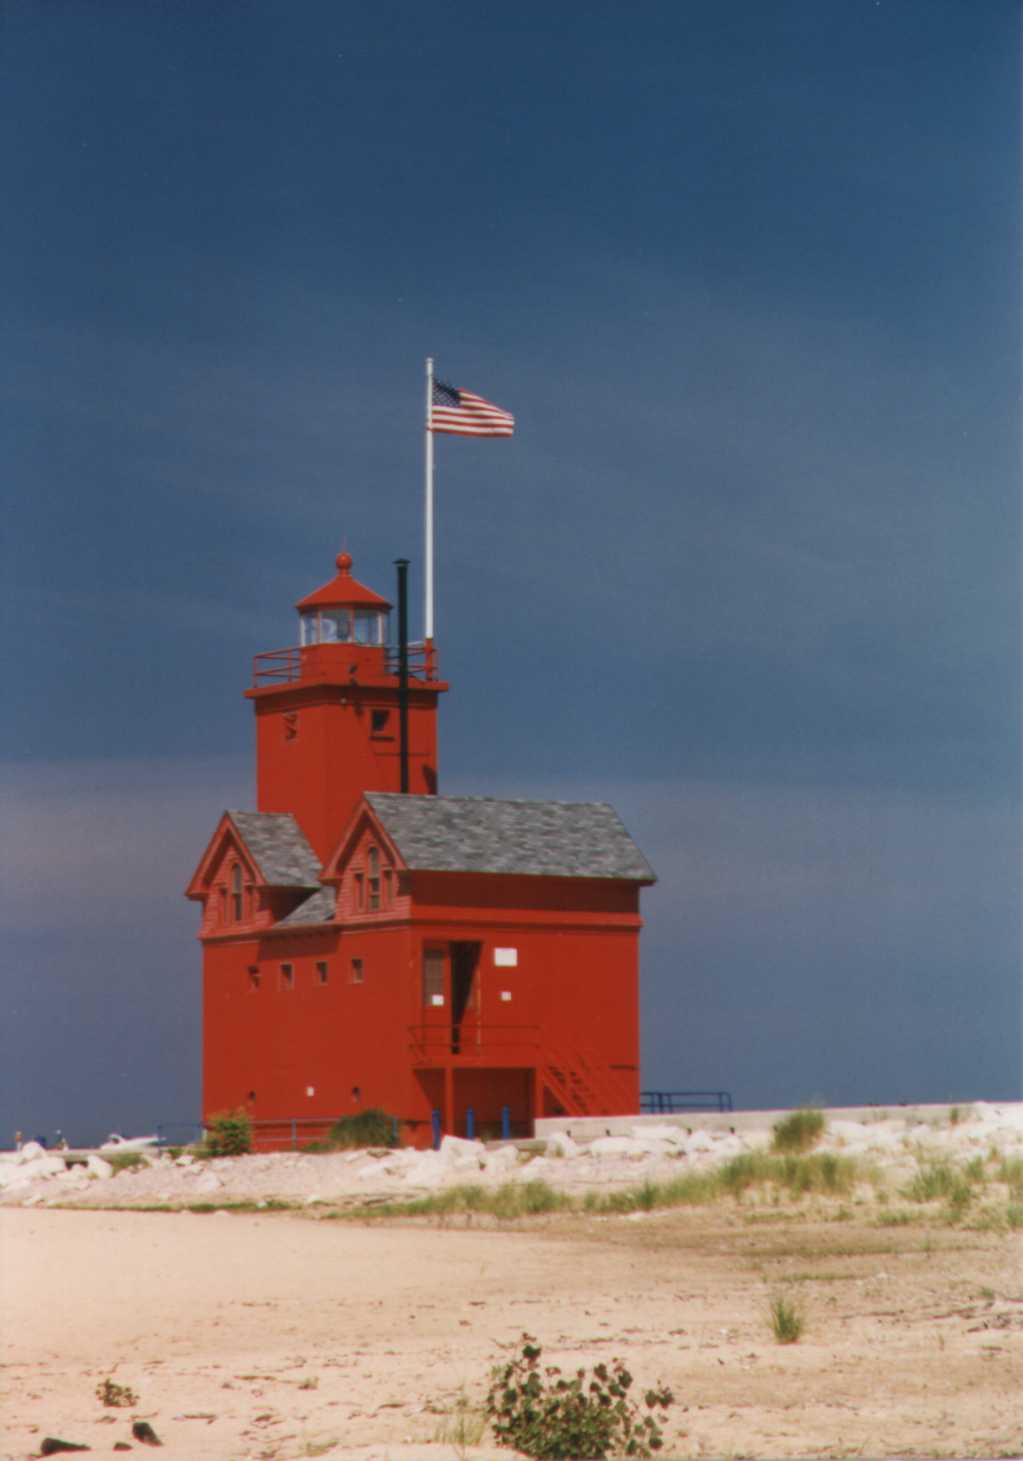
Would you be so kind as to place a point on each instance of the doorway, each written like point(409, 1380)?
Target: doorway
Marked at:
point(465, 996)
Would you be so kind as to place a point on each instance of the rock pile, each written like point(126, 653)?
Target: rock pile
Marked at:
point(651, 1151)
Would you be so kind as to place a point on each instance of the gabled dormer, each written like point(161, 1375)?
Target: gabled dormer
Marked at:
point(257, 871)
point(367, 872)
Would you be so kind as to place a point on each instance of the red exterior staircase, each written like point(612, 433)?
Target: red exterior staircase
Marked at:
point(583, 1085)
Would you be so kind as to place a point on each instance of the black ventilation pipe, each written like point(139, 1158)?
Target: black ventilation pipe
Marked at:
point(402, 566)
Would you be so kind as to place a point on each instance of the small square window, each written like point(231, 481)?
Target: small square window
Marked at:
point(322, 972)
point(378, 721)
point(254, 976)
point(357, 971)
point(287, 976)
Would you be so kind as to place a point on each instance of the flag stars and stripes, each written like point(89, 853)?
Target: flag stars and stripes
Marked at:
point(461, 413)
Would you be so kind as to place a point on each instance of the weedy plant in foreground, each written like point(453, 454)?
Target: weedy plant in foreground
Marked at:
point(110, 1393)
point(541, 1413)
point(786, 1320)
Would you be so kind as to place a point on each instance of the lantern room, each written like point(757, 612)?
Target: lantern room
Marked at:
point(343, 611)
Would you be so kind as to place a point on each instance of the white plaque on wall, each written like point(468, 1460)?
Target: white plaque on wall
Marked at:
point(436, 999)
point(506, 958)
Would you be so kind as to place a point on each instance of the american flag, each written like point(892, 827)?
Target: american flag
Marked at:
point(460, 413)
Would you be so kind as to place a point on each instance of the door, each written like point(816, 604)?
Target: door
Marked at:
point(465, 998)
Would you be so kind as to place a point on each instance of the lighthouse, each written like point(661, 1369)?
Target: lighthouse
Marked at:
point(465, 963)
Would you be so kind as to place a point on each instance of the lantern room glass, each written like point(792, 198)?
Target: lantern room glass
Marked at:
point(343, 626)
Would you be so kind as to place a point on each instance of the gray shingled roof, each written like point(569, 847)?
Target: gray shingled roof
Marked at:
point(317, 908)
point(279, 847)
point(482, 835)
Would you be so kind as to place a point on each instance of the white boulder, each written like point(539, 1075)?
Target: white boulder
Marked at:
point(454, 1148)
point(428, 1170)
point(97, 1167)
point(613, 1146)
point(502, 1159)
point(560, 1144)
point(41, 1167)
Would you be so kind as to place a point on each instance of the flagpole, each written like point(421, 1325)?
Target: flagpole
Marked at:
point(428, 524)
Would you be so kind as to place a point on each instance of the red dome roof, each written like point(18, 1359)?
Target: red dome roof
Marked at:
point(344, 591)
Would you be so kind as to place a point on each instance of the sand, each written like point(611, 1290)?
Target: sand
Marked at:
point(288, 1335)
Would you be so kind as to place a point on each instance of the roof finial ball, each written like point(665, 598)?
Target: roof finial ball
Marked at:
point(344, 561)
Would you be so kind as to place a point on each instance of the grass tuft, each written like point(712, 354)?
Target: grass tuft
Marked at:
point(822, 1172)
point(125, 1161)
point(940, 1180)
point(786, 1318)
point(1010, 1171)
point(463, 1425)
point(799, 1131)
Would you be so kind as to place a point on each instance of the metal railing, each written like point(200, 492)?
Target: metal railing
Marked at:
point(666, 1102)
point(469, 1040)
point(284, 666)
point(277, 666)
point(422, 661)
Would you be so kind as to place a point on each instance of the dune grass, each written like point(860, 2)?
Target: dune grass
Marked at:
point(821, 1174)
point(799, 1131)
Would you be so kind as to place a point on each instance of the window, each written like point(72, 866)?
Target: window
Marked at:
point(433, 977)
point(378, 722)
point(322, 974)
point(374, 878)
point(357, 971)
point(254, 979)
point(369, 626)
point(237, 909)
point(287, 976)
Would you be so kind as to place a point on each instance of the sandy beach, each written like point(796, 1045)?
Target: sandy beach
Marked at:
point(279, 1335)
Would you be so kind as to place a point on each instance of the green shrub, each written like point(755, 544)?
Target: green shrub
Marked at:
point(372, 1127)
point(786, 1321)
point(228, 1134)
point(540, 1413)
point(1014, 1215)
point(799, 1131)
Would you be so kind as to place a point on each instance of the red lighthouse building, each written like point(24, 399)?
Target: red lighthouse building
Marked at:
point(368, 946)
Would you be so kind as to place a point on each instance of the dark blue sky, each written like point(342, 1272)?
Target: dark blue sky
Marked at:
point(748, 276)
